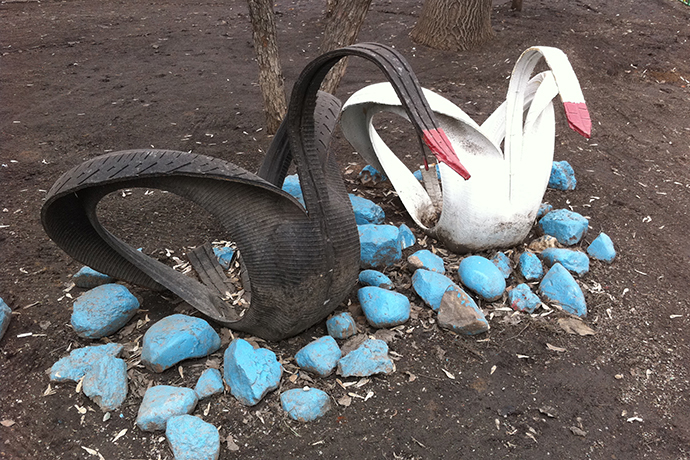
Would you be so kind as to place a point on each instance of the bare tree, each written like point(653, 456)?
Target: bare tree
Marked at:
point(454, 24)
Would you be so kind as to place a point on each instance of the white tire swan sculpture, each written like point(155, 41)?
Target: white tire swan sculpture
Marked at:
point(498, 206)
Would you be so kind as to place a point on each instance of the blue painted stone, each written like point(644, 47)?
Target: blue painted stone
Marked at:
point(418, 174)
point(482, 277)
point(320, 356)
point(366, 211)
point(250, 373)
point(103, 311)
point(210, 383)
point(175, 338)
point(530, 266)
point(574, 261)
point(379, 245)
point(566, 226)
point(600, 249)
point(305, 404)
point(459, 313)
point(163, 402)
point(81, 360)
point(521, 298)
point(292, 186)
point(369, 174)
point(562, 176)
point(431, 286)
point(368, 359)
point(559, 286)
point(375, 278)
point(106, 383)
point(406, 237)
point(191, 438)
point(5, 316)
point(502, 262)
point(341, 326)
point(383, 308)
point(427, 260)
point(88, 278)
point(543, 210)
point(224, 256)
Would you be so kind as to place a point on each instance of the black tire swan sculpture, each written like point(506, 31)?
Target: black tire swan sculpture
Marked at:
point(300, 262)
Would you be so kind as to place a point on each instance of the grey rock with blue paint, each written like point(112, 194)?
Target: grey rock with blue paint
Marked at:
point(224, 256)
point(502, 262)
point(602, 248)
point(88, 278)
point(366, 211)
point(459, 313)
point(250, 373)
point(559, 286)
point(161, 403)
point(379, 245)
point(320, 356)
point(210, 383)
point(292, 186)
point(530, 266)
point(103, 310)
point(573, 261)
point(190, 438)
point(371, 176)
point(426, 260)
point(106, 383)
point(81, 360)
point(543, 210)
point(406, 237)
point(562, 176)
point(482, 277)
point(176, 338)
point(521, 298)
point(5, 317)
point(305, 404)
point(341, 326)
point(383, 308)
point(566, 226)
point(370, 358)
point(431, 286)
point(375, 278)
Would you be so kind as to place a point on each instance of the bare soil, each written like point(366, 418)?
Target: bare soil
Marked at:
point(80, 78)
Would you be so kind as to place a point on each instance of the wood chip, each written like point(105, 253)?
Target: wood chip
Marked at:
point(345, 401)
point(575, 326)
point(7, 423)
point(555, 348)
point(448, 374)
point(232, 445)
point(120, 434)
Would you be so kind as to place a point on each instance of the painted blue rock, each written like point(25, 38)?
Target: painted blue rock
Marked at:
point(379, 245)
point(543, 210)
point(88, 278)
point(502, 262)
point(224, 256)
point(562, 176)
point(459, 313)
point(530, 266)
point(292, 186)
point(371, 175)
point(375, 278)
point(210, 383)
point(559, 286)
point(320, 356)
point(600, 249)
point(431, 286)
point(406, 237)
point(341, 326)
point(566, 226)
point(383, 308)
point(574, 261)
point(370, 358)
point(5, 317)
point(305, 404)
point(191, 438)
point(418, 174)
point(176, 338)
point(106, 383)
point(163, 402)
point(81, 360)
point(482, 277)
point(427, 260)
point(521, 298)
point(103, 311)
point(366, 211)
point(250, 373)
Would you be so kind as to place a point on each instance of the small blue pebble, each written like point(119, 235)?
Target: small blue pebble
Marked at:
point(502, 262)
point(5, 316)
point(482, 277)
point(530, 266)
point(210, 383)
point(521, 298)
point(371, 174)
point(406, 237)
point(292, 186)
point(88, 278)
point(320, 356)
point(366, 211)
point(559, 286)
point(602, 248)
point(427, 260)
point(368, 359)
point(103, 310)
point(562, 176)
point(383, 308)
point(543, 210)
point(566, 226)
point(379, 245)
point(224, 256)
point(341, 326)
point(574, 261)
point(250, 373)
point(431, 286)
point(375, 278)
point(191, 438)
point(305, 404)
point(161, 402)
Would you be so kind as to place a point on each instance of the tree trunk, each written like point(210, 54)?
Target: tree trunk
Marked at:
point(343, 21)
point(270, 72)
point(453, 25)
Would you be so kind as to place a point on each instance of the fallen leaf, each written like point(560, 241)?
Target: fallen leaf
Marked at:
point(345, 401)
point(575, 326)
point(555, 348)
point(120, 434)
point(232, 446)
point(90, 451)
point(7, 423)
point(49, 391)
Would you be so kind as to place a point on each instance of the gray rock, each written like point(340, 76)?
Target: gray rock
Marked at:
point(163, 402)
point(459, 313)
point(88, 278)
point(210, 383)
point(81, 360)
point(103, 311)
point(250, 373)
point(369, 359)
point(191, 438)
point(106, 383)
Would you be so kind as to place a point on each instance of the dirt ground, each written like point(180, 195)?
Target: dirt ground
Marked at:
point(80, 78)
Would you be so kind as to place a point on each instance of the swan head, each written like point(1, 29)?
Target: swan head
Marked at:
point(440, 146)
point(578, 118)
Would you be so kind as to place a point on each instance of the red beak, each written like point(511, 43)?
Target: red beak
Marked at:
point(578, 118)
point(440, 145)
